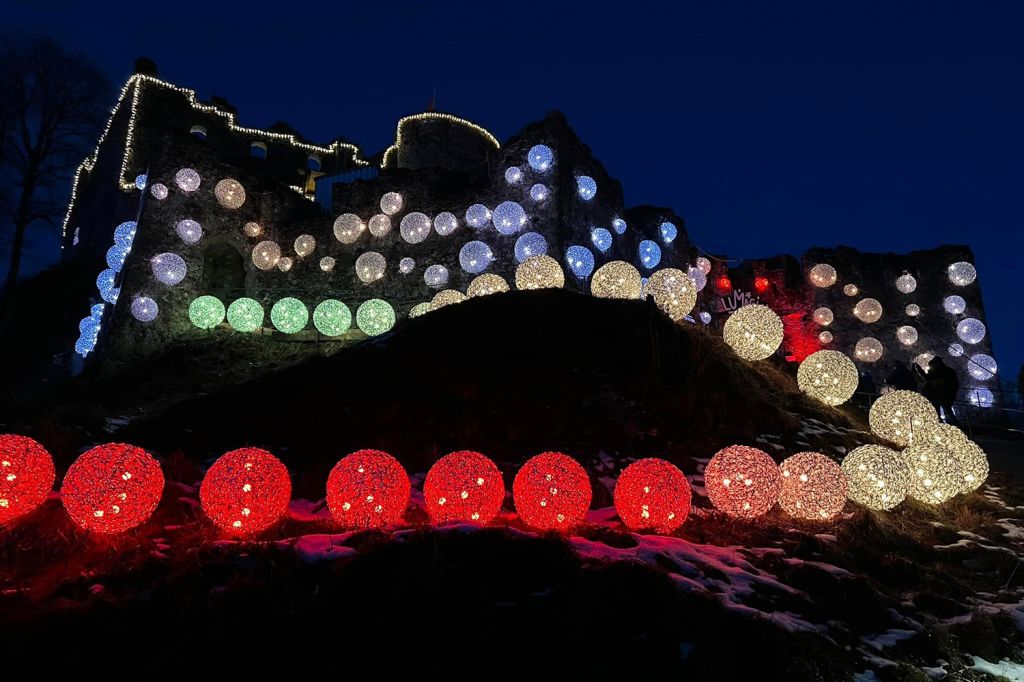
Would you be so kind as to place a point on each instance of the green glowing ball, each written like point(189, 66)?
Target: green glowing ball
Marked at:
point(419, 309)
point(206, 312)
point(332, 317)
point(375, 317)
point(289, 315)
point(245, 315)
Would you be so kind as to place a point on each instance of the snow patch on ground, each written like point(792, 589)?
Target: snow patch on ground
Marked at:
point(320, 547)
point(1008, 669)
point(888, 638)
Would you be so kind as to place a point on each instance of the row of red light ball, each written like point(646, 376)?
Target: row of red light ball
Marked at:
point(115, 487)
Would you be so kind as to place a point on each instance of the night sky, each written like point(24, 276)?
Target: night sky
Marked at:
point(887, 128)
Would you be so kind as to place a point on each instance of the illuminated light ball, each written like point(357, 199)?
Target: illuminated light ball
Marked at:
point(375, 316)
point(406, 265)
point(445, 223)
point(513, 175)
point(285, 264)
point(906, 283)
point(754, 332)
point(643, 287)
point(105, 281)
point(941, 436)
point(822, 275)
point(980, 396)
point(331, 317)
point(246, 491)
point(742, 482)
point(586, 187)
point(144, 309)
point(124, 234)
point(230, 193)
point(619, 225)
point(206, 312)
point(478, 216)
point(463, 486)
point(348, 227)
point(828, 376)
point(415, 227)
point(245, 315)
point(391, 203)
point(26, 476)
point(704, 264)
point(971, 330)
point(673, 292)
point(140, 181)
point(445, 298)
point(436, 276)
point(487, 284)
point(601, 239)
point(898, 416)
point(168, 268)
point(380, 225)
point(187, 180)
point(868, 349)
point(935, 474)
point(509, 218)
point(974, 464)
point(289, 315)
point(851, 290)
point(652, 494)
point(724, 284)
point(370, 267)
point(552, 492)
point(539, 272)
point(110, 295)
point(540, 157)
point(913, 310)
point(649, 253)
point(367, 489)
point(761, 284)
point(115, 257)
point(700, 280)
point(668, 232)
point(955, 349)
point(112, 488)
point(906, 335)
point(825, 337)
point(705, 317)
point(954, 305)
point(529, 245)
point(189, 231)
point(475, 257)
point(539, 192)
point(159, 191)
point(823, 316)
point(304, 245)
point(266, 255)
point(813, 487)
point(419, 309)
point(868, 310)
point(962, 273)
point(617, 279)
point(252, 229)
point(982, 366)
point(580, 260)
point(923, 359)
point(327, 264)
point(877, 477)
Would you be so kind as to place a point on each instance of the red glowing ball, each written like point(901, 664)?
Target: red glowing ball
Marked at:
point(26, 475)
point(463, 486)
point(552, 492)
point(652, 494)
point(761, 284)
point(246, 491)
point(367, 489)
point(723, 283)
point(112, 488)
point(742, 481)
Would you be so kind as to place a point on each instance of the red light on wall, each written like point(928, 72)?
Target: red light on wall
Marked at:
point(724, 284)
point(761, 284)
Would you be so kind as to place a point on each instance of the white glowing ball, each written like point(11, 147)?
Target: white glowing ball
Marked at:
point(436, 276)
point(370, 267)
point(868, 310)
point(906, 335)
point(906, 283)
point(673, 292)
point(304, 245)
point(617, 279)
point(982, 366)
point(415, 227)
point(899, 416)
point(954, 305)
point(539, 192)
point(700, 279)
point(754, 332)
point(406, 265)
point(230, 194)
point(144, 309)
point(187, 180)
point(327, 264)
point(923, 359)
point(446, 298)
point(823, 316)
point(955, 349)
point(705, 317)
point(971, 330)
point(159, 191)
point(252, 229)
point(475, 257)
point(509, 217)
point(539, 272)
point(530, 244)
point(487, 284)
point(540, 157)
point(285, 264)
point(913, 310)
point(822, 275)
point(704, 264)
point(513, 175)
point(851, 290)
point(478, 216)
point(877, 477)
point(266, 255)
point(828, 376)
point(962, 273)
point(391, 203)
point(935, 474)
point(168, 268)
point(868, 349)
point(348, 227)
point(586, 187)
point(825, 337)
point(445, 223)
point(379, 225)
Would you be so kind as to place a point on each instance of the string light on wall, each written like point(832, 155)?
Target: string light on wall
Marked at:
point(436, 276)
point(144, 309)
point(539, 272)
point(586, 187)
point(370, 267)
point(540, 157)
point(906, 335)
point(168, 268)
point(463, 486)
point(487, 284)
point(445, 223)
point(851, 290)
point(913, 310)
point(513, 175)
point(551, 491)
point(935, 475)
point(822, 275)
point(954, 305)
point(868, 349)
point(619, 225)
point(813, 487)
point(375, 316)
point(415, 227)
point(906, 283)
point(649, 253)
point(348, 227)
point(962, 273)
point(825, 337)
point(828, 376)
point(187, 180)
point(327, 264)
point(982, 366)
point(868, 310)
point(289, 315)
point(478, 216)
point(285, 264)
point(652, 494)
point(580, 260)
point(266, 255)
point(754, 332)
point(331, 317)
point(406, 265)
point(971, 330)
point(673, 292)
point(669, 232)
point(391, 203)
point(112, 488)
point(601, 239)
point(189, 231)
point(823, 316)
point(445, 298)
point(26, 476)
point(246, 491)
point(475, 257)
point(742, 482)
point(206, 312)
point(252, 230)
point(433, 115)
point(368, 489)
point(159, 191)
point(245, 315)
point(379, 225)
point(230, 194)
point(877, 477)
point(509, 218)
point(898, 415)
point(530, 244)
point(617, 279)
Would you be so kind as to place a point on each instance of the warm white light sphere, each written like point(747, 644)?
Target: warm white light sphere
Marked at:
point(828, 376)
point(304, 245)
point(754, 332)
point(971, 330)
point(962, 273)
point(348, 227)
point(230, 193)
point(823, 316)
point(898, 416)
point(906, 335)
point(617, 279)
point(415, 227)
point(370, 267)
point(868, 349)
point(906, 283)
point(391, 203)
point(379, 225)
point(877, 477)
point(539, 272)
point(822, 275)
point(868, 310)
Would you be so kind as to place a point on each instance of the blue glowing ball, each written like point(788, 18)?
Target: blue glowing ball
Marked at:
point(84, 346)
point(115, 257)
point(475, 257)
point(580, 260)
point(509, 217)
point(478, 216)
point(105, 281)
point(586, 187)
point(539, 192)
point(602, 239)
point(97, 310)
point(540, 157)
point(141, 180)
point(668, 232)
point(124, 234)
point(619, 225)
point(650, 254)
point(529, 245)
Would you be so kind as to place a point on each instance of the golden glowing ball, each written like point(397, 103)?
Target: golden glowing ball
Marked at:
point(266, 255)
point(906, 335)
point(539, 272)
point(486, 284)
point(900, 415)
point(419, 309)
point(851, 290)
point(754, 332)
point(868, 310)
point(230, 193)
point(304, 245)
point(868, 349)
point(252, 229)
point(877, 477)
point(829, 376)
point(939, 435)
point(813, 486)
point(970, 458)
point(446, 297)
point(823, 316)
point(974, 463)
point(673, 291)
point(617, 279)
point(935, 474)
point(822, 275)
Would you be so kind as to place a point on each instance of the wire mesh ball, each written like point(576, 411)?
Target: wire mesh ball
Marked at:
point(539, 192)
point(912, 309)
point(463, 486)
point(700, 280)
point(601, 239)
point(391, 203)
point(825, 337)
point(445, 223)
point(375, 316)
point(898, 416)
point(246, 491)
point(540, 157)
point(530, 244)
point(851, 290)
point(924, 359)
point(509, 218)
point(266, 255)
point(112, 488)
point(822, 275)
point(974, 464)
point(419, 309)
point(26, 476)
point(285, 264)
point(906, 283)
point(189, 231)
point(828, 376)
point(159, 191)
point(982, 366)
point(580, 261)
point(327, 264)
point(935, 474)
point(980, 396)
point(954, 305)
point(168, 268)
point(813, 487)
point(230, 194)
point(971, 330)
point(415, 227)
point(379, 225)
point(513, 175)
point(304, 245)
point(245, 315)
point(673, 291)
point(206, 312)
point(436, 276)
point(649, 253)
point(187, 180)
point(487, 284)
point(877, 477)
point(475, 257)
point(539, 272)
point(906, 335)
point(348, 227)
point(446, 297)
point(668, 232)
point(586, 187)
point(478, 216)
point(370, 267)
point(331, 317)
point(955, 349)
point(754, 332)
point(252, 229)
point(652, 494)
point(551, 491)
point(962, 273)
point(406, 265)
point(742, 482)
point(368, 489)
point(289, 315)
point(144, 309)
point(868, 349)
point(823, 316)
point(868, 310)
point(617, 279)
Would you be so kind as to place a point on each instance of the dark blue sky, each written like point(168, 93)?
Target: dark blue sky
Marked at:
point(885, 126)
